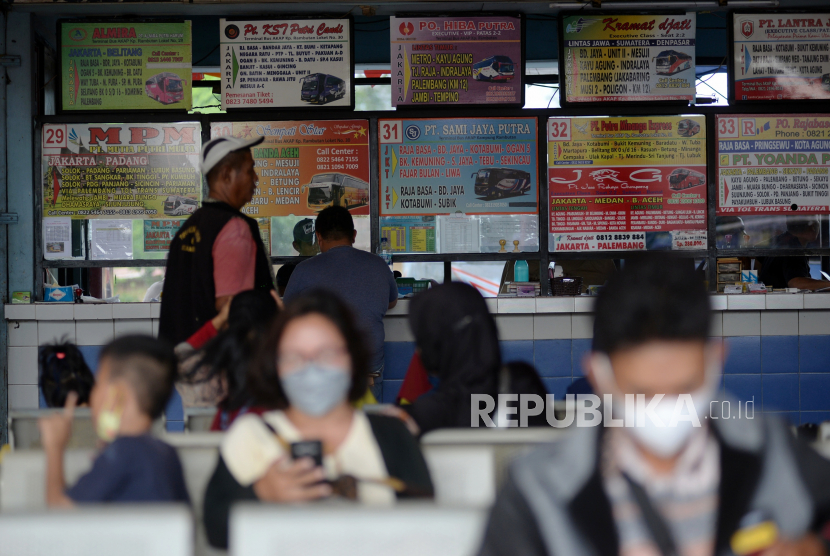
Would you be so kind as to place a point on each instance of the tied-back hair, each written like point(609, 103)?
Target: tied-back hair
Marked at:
point(229, 354)
point(264, 379)
point(63, 370)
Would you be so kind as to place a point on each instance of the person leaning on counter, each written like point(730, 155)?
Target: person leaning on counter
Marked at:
point(793, 272)
point(218, 251)
point(359, 278)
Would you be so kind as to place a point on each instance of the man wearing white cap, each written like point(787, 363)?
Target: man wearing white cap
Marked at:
point(218, 251)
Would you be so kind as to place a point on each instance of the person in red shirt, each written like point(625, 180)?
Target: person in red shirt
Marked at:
point(218, 251)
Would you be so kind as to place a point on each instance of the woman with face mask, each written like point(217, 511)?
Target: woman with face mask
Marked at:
point(312, 444)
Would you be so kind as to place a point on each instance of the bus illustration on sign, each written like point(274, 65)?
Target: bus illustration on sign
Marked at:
point(494, 68)
point(322, 88)
point(683, 178)
point(176, 205)
point(670, 62)
point(688, 128)
point(165, 88)
point(342, 190)
point(497, 183)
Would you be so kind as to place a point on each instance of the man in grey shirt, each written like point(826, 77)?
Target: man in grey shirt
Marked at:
point(361, 279)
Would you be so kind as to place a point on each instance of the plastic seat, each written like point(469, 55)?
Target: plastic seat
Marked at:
point(323, 529)
point(138, 530)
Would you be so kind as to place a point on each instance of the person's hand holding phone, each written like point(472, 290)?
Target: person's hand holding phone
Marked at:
point(292, 481)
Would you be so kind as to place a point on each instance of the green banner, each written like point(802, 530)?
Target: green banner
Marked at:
point(126, 66)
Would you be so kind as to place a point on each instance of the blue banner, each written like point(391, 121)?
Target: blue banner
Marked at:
point(454, 165)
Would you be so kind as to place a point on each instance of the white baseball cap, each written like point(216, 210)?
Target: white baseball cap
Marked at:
point(217, 149)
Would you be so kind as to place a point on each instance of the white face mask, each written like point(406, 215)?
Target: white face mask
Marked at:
point(677, 418)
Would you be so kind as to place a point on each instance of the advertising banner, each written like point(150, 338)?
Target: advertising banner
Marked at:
point(448, 166)
point(773, 163)
point(611, 58)
point(159, 233)
point(121, 170)
point(291, 62)
point(306, 166)
point(627, 183)
point(125, 66)
point(780, 56)
point(459, 60)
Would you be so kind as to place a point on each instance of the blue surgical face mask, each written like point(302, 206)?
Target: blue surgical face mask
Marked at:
point(316, 390)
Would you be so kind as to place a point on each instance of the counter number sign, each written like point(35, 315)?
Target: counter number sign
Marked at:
point(390, 132)
point(54, 135)
point(559, 130)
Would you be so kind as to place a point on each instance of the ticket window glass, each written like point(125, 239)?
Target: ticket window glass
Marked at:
point(780, 231)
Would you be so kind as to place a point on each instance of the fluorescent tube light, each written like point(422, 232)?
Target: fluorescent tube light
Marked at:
point(665, 5)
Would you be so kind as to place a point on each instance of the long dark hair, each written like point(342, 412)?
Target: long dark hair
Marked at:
point(264, 379)
point(229, 354)
point(63, 370)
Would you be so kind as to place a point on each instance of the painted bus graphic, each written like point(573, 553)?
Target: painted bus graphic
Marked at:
point(670, 62)
point(322, 88)
point(176, 205)
point(494, 68)
point(165, 88)
point(496, 183)
point(342, 190)
point(683, 178)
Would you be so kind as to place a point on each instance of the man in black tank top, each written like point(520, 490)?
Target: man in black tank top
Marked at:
point(218, 251)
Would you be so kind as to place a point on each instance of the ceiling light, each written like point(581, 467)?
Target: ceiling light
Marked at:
point(665, 5)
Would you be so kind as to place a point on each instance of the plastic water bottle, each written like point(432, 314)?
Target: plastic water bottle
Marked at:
point(521, 272)
point(384, 251)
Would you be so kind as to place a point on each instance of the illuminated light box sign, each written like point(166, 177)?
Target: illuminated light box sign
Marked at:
point(286, 63)
point(125, 65)
point(773, 163)
point(627, 183)
point(621, 58)
point(121, 170)
point(456, 60)
point(306, 166)
point(780, 56)
point(448, 166)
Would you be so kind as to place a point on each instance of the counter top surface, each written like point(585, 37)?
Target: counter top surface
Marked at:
point(525, 305)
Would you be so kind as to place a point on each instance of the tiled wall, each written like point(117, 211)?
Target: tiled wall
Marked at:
point(781, 359)
point(777, 357)
point(89, 326)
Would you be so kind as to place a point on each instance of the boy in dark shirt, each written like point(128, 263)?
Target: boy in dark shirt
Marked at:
point(134, 381)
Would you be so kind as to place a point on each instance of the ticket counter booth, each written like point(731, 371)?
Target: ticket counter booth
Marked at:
point(533, 140)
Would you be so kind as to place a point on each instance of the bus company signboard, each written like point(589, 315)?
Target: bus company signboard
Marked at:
point(780, 56)
point(286, 63)
point(453, 165)
point(613, 58)
point(773, 163)
point(306, 166)
point(456, 60)
point(158, 234)
point(125, 65)
point(127, 171)
point(627, 183)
